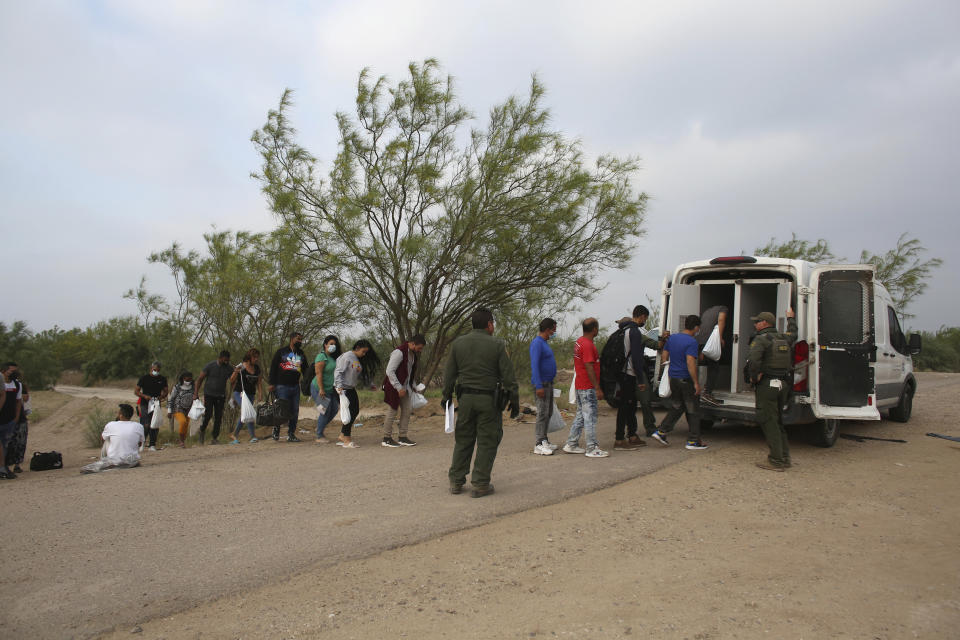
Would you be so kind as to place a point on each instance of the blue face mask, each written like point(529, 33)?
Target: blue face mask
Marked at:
point(549, 335)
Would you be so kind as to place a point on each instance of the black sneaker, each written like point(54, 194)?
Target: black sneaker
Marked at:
point(293, 439)
point(456, 487)
point(214, 441)
point(276, 433)
point(389, 442)
point(407, 442)
point(695, 445)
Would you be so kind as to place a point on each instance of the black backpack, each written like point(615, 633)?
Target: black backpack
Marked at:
point(46, 461)
point(306, 379)
point(613, 366)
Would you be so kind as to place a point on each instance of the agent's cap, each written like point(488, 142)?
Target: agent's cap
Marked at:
point(766, 316)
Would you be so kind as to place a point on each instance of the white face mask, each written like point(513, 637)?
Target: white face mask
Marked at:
point(331, 348)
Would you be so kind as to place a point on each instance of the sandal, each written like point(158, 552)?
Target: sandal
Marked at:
point(349, 445)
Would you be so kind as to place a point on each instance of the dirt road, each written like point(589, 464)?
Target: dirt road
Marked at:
point(287, 540)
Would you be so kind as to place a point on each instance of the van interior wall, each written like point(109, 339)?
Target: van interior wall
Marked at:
point(754, 298)
point(712, 295)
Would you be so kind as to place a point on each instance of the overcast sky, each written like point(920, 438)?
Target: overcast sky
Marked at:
point(125, 125)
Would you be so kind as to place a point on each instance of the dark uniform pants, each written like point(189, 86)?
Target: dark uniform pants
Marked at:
point(214, 409)
point(478, 424)
point(770, 401)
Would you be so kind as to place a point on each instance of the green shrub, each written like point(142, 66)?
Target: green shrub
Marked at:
point(93, 427)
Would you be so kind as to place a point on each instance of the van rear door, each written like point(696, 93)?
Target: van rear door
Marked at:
point(842, 381)
point(679, 301)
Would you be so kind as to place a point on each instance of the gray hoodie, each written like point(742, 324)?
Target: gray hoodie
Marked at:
point(348, 371)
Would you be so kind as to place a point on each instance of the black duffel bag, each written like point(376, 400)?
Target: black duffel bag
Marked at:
point(46, 461)
point(274, 412)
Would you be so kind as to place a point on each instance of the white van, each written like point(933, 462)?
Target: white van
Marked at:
point(851, 359)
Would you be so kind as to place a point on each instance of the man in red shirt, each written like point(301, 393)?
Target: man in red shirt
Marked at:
point(586, 365)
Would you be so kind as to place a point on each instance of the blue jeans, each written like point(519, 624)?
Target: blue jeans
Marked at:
point(292, 394)
point(332, 409)
point(586, 420)
point(251, 426)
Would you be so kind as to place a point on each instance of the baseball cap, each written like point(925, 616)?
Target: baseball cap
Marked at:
point(765, 316)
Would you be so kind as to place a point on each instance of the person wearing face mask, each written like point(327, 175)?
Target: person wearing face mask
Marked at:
point(284, 377)
point(322, 389)
point(543, 366)
point(179, 405)
point(149, 386)
point(397, 385)
point(246, 379)
point(357, 366)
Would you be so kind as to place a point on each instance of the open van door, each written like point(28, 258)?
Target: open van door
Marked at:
point(679, 301)
point(842, 378)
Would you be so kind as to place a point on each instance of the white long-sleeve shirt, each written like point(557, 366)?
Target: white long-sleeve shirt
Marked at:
point(396, 357)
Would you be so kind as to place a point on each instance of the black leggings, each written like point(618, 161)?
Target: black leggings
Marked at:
point(354, 402)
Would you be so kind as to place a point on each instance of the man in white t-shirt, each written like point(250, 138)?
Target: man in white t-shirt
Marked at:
point(123, 438)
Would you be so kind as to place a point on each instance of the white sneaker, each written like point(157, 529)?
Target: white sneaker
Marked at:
point(153, 448)
point(543, 450)
point(553, 447)
point(597, 453)
point(569, 448)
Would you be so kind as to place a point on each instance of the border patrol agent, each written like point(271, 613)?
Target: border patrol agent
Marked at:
point(770, 368)
point(480, 364)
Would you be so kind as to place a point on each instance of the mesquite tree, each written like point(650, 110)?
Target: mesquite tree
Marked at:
point(425, 221)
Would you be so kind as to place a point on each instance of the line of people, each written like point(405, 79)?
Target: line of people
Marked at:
point(334, 378)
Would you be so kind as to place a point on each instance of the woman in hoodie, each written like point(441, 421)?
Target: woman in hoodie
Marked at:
point(181, 398)
point(359, 365)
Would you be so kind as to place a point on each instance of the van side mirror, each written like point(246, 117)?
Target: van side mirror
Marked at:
point(914, 343)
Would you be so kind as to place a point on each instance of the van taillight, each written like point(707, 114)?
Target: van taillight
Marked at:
point(801, 352)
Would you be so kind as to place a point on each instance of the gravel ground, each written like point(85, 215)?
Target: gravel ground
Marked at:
point(298, 540)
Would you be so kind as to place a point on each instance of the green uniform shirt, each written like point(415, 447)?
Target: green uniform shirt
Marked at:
point(761, 347)
point(479, 361)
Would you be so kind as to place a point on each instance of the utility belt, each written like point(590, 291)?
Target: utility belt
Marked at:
point(780, 374)
point(471, 391)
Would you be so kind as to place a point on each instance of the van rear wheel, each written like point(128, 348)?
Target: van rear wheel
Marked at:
point(825, 432)
point(901, 412)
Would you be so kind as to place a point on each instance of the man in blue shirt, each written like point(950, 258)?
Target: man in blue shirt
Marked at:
point(544, 369)
point(683, 350)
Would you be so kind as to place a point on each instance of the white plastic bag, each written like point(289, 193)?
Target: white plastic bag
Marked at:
point(27, 407)
point(196, 410)
point(417, 400)
point(248, 413)
point(713, 347)
point(556, 420)
point(664, 390)
point(344, 409)
point(449, 418)
point(157, 416)
point(573, 390)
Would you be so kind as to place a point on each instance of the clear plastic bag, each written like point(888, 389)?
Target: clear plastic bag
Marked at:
point(713, 347)
point(417, 400)
point(157, 416)
point(196, 410)
point(664, 389)
point(344, 409)
point(556, 420)
point(248, 413)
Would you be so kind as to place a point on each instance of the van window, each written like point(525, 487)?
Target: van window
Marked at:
point(897, 340)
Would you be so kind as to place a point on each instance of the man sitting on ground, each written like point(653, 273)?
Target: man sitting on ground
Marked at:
point(122, 443)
